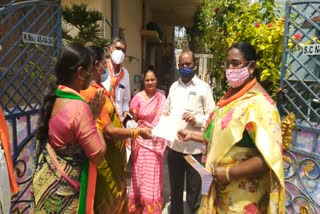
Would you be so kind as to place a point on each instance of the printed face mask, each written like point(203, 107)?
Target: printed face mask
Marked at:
point(186, 72)
point(117, 56)
point(236, 77)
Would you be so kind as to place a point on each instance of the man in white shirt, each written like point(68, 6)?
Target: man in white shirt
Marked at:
point(190, 99)
point(117, 80)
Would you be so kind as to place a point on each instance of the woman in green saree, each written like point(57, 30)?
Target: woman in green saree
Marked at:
point(69, 145)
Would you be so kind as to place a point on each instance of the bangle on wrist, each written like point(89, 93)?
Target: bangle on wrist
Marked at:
point(227, 173)
point(135, 133)
point(131, 132)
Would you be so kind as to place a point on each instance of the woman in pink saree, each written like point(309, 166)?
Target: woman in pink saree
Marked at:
point(146, 192)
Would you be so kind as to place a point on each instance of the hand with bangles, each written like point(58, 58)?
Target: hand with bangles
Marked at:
point(145, 133)
point(220, 174)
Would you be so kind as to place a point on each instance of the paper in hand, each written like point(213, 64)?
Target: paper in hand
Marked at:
point(206, 176)
point(166, 128)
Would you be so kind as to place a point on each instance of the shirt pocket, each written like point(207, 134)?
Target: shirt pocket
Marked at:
point(194, 102)
point(119, 93)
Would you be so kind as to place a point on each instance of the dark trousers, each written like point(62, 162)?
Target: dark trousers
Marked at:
point(178, 167)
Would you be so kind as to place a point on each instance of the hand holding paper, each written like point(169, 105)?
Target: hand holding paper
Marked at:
point(168, 128)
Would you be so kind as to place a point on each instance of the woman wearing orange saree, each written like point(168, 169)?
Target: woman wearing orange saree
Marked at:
point(244, 151)
point(111, 186)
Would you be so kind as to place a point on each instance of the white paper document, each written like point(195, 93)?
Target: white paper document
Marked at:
point(167, 128)
point(206, 176)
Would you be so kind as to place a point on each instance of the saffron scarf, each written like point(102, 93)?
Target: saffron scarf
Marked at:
point(115, 80)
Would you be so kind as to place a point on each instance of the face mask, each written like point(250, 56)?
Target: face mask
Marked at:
point(186, 72)
point(117, 56)
point(104, 76)
point(236, 77)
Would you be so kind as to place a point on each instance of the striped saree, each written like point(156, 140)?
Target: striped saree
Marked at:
point(146, 193)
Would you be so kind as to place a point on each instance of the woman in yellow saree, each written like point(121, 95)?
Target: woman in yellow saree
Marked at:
point(244, 150)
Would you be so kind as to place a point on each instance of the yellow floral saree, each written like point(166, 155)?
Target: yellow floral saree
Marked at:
point(254, 115)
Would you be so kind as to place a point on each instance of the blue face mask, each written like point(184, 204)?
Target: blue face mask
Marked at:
point(186, 72)
point(104, 76)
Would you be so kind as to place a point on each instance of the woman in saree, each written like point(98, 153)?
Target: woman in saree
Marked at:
point(69, 145)
point(111, 184)
point(244, 151)
point(146, 190)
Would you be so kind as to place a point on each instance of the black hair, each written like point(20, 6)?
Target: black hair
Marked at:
point(97, 53)
point(248, 51)
point(70, 58)
point(150, 67)
point(147, 71)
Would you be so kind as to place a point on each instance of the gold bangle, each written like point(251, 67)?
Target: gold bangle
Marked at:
point(135, 133)
point(227, 173)
point(131, 132)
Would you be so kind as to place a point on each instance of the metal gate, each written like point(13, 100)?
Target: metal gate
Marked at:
point(300, 84)
point(30, 38)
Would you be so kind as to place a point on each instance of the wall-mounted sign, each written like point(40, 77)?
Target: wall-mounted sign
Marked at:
point(311, 49)
point(37, 39)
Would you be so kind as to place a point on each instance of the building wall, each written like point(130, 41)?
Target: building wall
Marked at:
point(104, 6)
point(130, 20)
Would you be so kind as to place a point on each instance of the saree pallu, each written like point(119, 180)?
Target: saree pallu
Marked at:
point(62, 172)
point(52, 192)
point(111, 185)
point(255, 113)
point(147, 181)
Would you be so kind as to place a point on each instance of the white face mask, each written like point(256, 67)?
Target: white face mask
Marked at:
point(117, 56)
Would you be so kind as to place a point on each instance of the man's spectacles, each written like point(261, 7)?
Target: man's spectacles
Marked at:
point(121, 49)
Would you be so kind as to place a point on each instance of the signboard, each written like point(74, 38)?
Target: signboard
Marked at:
point(311, 49)
point(37, 39)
